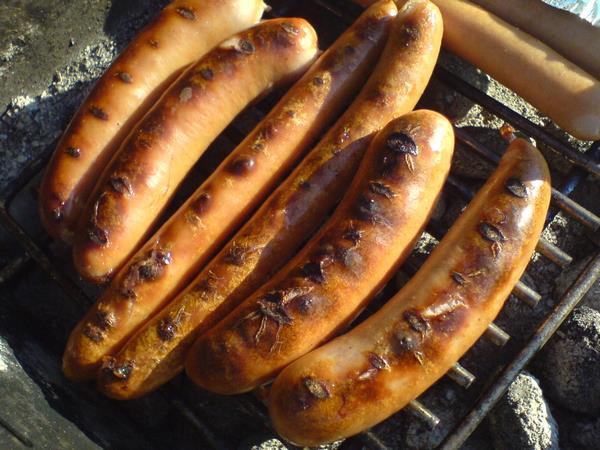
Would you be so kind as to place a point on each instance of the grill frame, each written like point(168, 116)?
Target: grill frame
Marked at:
point(36, 249)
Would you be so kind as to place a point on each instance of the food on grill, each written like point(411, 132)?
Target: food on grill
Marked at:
point(342, 267)
point(290, 215)
point(246, 176)
point(364, 376)
point(554, 85)
point(182, 32)
point(164, 146)
point(574, 38)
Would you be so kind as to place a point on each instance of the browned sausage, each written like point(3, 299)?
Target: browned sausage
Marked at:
point(364, 376)
point(182, 33)
point(199, 227)
point(288, 217)
point(340, 269)
point(154, 159)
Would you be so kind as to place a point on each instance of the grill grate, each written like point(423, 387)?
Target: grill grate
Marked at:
point(330, 17)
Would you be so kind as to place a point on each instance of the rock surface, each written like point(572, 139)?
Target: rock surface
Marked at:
point(569, 365)
point(522, 419)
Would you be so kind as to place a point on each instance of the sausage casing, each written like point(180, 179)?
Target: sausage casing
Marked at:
point(181, 33)
point(198, 228)
point(164, 146)
point(289, 216)
point(341, 268)
point(364, 376)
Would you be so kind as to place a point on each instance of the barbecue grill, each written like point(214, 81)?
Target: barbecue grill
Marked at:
point(179, 415)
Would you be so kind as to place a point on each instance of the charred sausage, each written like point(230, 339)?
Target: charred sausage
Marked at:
point(198, 228)
point(289, 216)
point(163, 147)
point(364, 376)
point(182, 33)
point(340, 269)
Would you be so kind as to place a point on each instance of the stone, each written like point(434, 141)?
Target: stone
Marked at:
point(569, 365)
point(522, 419)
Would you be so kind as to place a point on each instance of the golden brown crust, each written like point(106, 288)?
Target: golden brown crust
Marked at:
point(362, 377)
point(158, 349)
point(163, 147)
point(198, 228)
point(340, 269)
point(182, 32)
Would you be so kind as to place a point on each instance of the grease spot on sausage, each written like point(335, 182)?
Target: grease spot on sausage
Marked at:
point(200, 205)
point(516, 188)
point(117, 372)
point(153, 43)
point(245, 46)
point(206, 73)
point(186, 12)
point(98, 235)
point(382, 189)
point(125, 77)
point(240, 166)
point(57, 213)
point(491, 233)
point(186, 94)
point(101, 322)
point(237, 254)
point(318, 81)
point(166, 328)
point(401, 143)
point(353, 235)
point(417, 322)
point(458, 278)
point(318, 389)
point(313, 271)
point(290, 28)
point(98, 112)
point(74, 152)
point(148, 267)
point(121, 184)
point(369, 210)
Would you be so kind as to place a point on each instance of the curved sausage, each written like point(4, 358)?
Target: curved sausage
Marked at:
point(330, 281)
point(554, 85)
point(364, 376)
point(288, 217)
point(198, 228)
point(571, 36)
point(164, 146)
point(180, 34)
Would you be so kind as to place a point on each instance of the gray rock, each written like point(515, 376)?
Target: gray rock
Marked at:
point(586, 434)
point(569, 365)
point(522, 419)
point(566, 278)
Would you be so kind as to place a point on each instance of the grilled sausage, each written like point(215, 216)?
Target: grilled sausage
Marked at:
point(164, 146)
point(290, 215)
point(329, 282)
point(199, 227)
point(571, 36)
point(554, 85)
point(364, 376)
point(182, 32)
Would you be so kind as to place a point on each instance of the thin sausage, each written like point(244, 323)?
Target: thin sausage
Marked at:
point(164, 146)
point(198, 228)
point(571, 36)
point(554, 85)
point(180, 34)
point(340, 269)
point(290, 215)
point(364, 376)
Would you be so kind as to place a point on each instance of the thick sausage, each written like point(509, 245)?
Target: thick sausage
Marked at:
point(364, 376)
point(571, 36)
point(182, 33)
point(554, 85)
point(199, 227)
point(290, 215)
point(329, 282)
point(164, 146)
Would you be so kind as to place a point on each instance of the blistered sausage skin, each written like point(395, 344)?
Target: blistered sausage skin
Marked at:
point(164, 146)
point(340, 269)
point(288, 217)
point(364, 376)
point(198, 228)
point(181, 33)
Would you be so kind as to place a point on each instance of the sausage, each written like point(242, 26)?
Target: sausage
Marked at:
point(198, 228)
point(364, 376)
point(288, 217)
point(554, 85)
point(164, 146)
point(181, 33)
point(571, 36)
point(351, 258)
